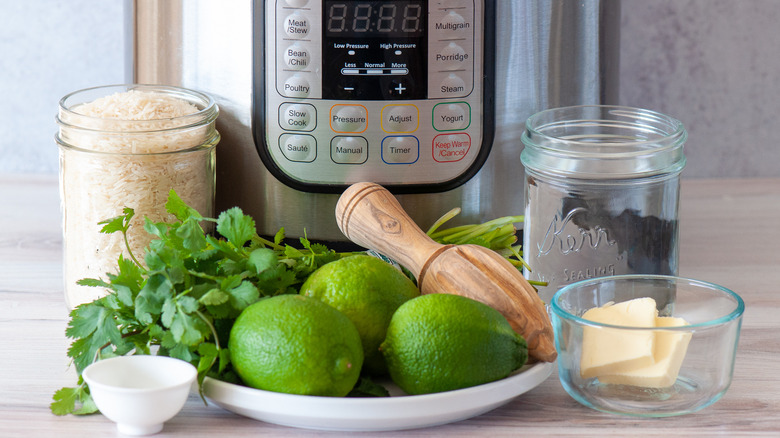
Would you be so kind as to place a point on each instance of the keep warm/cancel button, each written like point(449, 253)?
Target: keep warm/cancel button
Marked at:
point(451, 147)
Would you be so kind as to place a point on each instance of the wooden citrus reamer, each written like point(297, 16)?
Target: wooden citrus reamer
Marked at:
point(371, 217)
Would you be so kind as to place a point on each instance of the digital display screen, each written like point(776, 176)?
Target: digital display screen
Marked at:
point(367, 19)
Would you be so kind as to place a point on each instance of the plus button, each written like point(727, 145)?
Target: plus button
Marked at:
point(400, 88)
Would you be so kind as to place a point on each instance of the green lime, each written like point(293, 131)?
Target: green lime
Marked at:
point(367, 290)
point(296, 345)
point(441, 342)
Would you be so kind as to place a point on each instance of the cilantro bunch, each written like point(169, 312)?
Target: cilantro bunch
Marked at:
point(184, 299)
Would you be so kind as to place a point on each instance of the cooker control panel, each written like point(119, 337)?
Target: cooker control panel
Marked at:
point(394, 92)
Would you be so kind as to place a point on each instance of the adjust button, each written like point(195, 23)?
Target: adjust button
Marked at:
point(400, 118)
point(348, 118)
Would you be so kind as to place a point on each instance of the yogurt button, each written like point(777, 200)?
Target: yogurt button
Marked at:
point(451, 116)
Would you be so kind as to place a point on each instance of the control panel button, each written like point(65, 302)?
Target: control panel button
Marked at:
point(400, 118)
point(298, 147)
point(348, 118)
point(452, 56)
point(349, 150)
point(297, 116)
point(453, 86)
point(452, 24)
point(296, 86)
point(297, 57)
point(448, 148)
point(404, 149)
point(296, 3)
point(454, 116)
point(296, 26)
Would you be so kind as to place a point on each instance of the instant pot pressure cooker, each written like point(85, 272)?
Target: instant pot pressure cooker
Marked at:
point(426, 97)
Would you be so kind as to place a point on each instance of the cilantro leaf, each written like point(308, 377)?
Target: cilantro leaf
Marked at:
point(237, 228)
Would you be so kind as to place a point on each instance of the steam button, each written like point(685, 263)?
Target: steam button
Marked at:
point(453, 86)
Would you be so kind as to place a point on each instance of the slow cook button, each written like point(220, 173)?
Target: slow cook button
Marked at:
point(296, 86)
point(448, 148)
point(296, 26)
point(454, 116)
point(349, 150)
point(297, 116)
point(400, 118)
point(297, 57)
point(401, 149)
point(348, 118)
point(298, 147)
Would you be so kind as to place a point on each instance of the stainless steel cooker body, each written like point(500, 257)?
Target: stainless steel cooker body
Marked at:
point(547, 53)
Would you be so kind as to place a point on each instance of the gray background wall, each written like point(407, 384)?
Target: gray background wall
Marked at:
point(714, 64)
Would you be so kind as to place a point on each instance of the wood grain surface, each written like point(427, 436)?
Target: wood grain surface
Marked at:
point(730, 235)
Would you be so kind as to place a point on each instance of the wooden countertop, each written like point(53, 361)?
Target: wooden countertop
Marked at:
point(730, 235)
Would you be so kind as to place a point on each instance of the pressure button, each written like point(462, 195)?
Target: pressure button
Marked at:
point(348, 118)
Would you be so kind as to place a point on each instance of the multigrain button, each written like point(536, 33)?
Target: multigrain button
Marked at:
point(297, 57)
point(400, 118)
point(349, 150)
point(296, 86)
point(297, 116)
point(402, 149)
point(296, 26)
point(452, 23)
point(298, 147)
point(348, 118)
point(452, 116)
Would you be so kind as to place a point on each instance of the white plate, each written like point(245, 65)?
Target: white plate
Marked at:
point(373, 414)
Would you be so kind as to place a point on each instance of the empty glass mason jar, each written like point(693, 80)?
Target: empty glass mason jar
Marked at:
point(128, 146)
point(602, 190)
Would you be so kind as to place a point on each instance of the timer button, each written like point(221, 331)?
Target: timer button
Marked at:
point(296, 86)
point(453, 116)
point(452, 56)
point(297, 116)
point(297, 57)
point(404, 149)
point(349, 150)
point(400, 118)
point(296, 26)
point(348, 118)
point(298, 147)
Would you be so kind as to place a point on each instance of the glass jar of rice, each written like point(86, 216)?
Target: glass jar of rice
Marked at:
point(128, 146)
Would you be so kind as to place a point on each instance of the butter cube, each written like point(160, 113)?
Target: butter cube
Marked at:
point(608, 351)
point(670, 348)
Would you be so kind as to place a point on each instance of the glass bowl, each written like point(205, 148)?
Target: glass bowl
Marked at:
point(704, 349)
